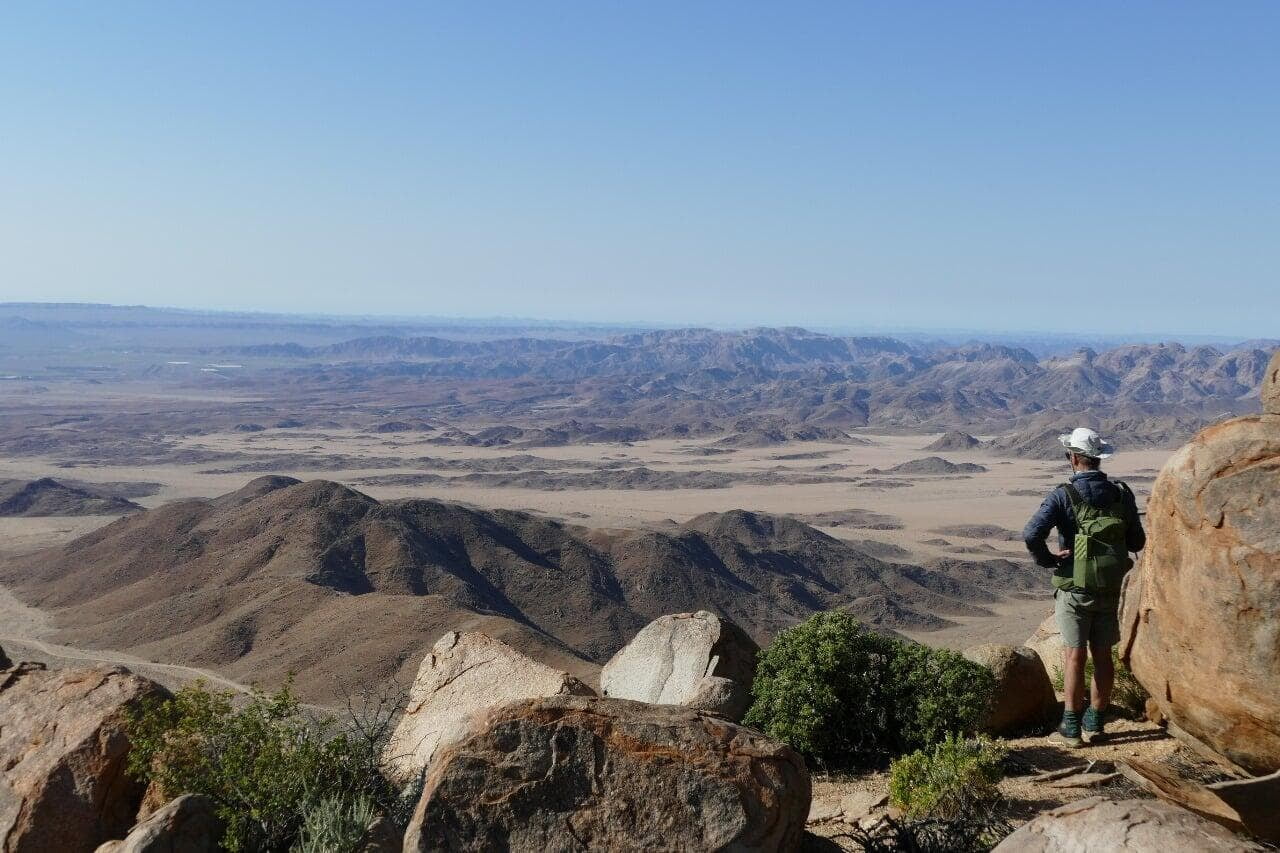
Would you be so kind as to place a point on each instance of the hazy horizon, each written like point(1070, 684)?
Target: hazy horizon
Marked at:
point(990, 166)
point(501, 321)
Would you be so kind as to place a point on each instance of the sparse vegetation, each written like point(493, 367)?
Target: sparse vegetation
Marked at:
point(957, 777)
point(277, 774)
point(336, 825)
point(965, 834)
point(1127, 695)
point(845, 696)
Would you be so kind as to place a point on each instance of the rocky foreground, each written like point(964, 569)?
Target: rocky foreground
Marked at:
point(527, 758)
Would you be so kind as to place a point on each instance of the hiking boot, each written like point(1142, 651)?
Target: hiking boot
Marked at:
point(1092, 725)
point(1068, 734)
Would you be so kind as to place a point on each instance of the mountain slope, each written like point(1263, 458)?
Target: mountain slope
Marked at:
point(317, 579)
point(46, 497)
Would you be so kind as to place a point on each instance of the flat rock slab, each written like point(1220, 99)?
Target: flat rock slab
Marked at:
point(63, 750)
point(1163, 782)
point(1137, 825)
point(668, 662)
point(581, 773)
point(1255, 801)
point(465, 674)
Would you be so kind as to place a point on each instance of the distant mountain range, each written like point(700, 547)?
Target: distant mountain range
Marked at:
point(698, 382)
point(747, 388)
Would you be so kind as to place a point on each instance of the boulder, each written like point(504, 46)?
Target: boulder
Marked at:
point(465, 673)
point(717, 695)
point(586, 773)
point(1023, 698)
point(1047, 643)
point(1271, 386)
point(64, 750)
point(185, 825)
point(667, 662)
point(1199, 615)
point(1140, 825)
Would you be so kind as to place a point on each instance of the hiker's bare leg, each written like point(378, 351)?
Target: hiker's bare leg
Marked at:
point(1073, 678)
point(1104, 676)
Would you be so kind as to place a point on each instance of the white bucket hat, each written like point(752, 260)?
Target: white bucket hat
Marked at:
point(1086, 442)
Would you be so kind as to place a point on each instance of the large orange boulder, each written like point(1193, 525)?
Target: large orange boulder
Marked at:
point(1201, 615)
point(63, 750)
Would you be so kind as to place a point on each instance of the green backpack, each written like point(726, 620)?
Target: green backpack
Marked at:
point(1100, 553)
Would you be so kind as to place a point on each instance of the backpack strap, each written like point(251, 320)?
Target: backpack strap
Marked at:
point(1073, 496)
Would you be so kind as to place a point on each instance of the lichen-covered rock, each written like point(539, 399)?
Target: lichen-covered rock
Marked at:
point(666, 662)
point(465, 673)
point(1023, 698)
point(187, 824)
point(1137, 825)
point(63, 750)
point(1200, 617)
point(582, 773)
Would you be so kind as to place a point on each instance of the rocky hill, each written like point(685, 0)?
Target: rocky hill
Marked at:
point(47, 496)
point(931, 465)
point(953, 440)
point(315, 578)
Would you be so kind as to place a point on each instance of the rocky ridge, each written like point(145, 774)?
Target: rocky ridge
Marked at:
point(318, 579)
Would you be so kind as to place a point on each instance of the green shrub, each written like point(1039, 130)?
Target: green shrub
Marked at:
point(264, 762)
point(336, 825)
point(843, 695)
point(938, 692)
point(1128, 697)
point(956, 778)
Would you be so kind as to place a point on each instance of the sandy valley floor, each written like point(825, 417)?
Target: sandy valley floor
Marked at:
point(921, 506)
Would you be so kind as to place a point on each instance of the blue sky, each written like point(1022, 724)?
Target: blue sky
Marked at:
point(1091, 167)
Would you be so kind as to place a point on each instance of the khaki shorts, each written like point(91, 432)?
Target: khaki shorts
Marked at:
point(1086, 620)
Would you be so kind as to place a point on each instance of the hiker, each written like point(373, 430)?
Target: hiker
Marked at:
point(1098, 526)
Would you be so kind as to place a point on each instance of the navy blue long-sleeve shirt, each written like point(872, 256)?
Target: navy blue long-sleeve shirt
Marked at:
point(1095, 489)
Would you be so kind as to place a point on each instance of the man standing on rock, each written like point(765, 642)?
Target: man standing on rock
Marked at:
point(1098, 526)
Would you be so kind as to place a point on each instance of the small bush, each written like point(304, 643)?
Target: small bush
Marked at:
point(336, 825)
point(266, 764)
point(956, 778)
point(845, 696)
point(1128, 697)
